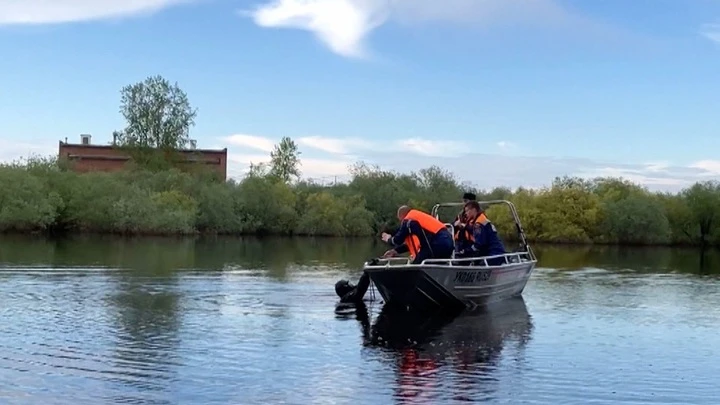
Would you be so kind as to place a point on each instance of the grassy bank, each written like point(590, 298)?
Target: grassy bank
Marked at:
point(40, 196)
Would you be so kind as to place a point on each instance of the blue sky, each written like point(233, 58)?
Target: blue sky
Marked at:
point(501, 92)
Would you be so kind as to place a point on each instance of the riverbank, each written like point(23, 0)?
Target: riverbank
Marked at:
point(41, 197)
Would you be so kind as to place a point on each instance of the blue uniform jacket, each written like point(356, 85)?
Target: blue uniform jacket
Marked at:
point(487, 242)
point(410, 227)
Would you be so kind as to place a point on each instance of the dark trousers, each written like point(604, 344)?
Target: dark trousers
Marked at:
point(440, 246)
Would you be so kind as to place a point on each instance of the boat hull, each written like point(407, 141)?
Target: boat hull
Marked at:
point(428, 286)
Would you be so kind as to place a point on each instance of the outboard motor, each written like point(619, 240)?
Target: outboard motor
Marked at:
point(343, 287)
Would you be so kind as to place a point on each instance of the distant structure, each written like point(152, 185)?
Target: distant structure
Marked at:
point(86, 157)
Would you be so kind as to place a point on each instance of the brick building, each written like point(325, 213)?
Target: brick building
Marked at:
point(86, 157)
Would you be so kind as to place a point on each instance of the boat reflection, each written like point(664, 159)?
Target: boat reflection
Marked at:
point(446, 357)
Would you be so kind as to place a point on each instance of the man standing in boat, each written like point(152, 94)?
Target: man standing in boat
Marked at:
point(420, 234)
point(480, 236)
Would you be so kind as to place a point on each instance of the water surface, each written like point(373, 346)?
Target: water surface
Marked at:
point(98, 320)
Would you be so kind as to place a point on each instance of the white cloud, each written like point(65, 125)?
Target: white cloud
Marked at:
point(505, 145)
point(64, 11)
point(427, 147)
point(344, 25)
point(251, 141)
point(340, 24)
point(15, 151)
point(336, 155)
point(352, 146)
point(657, 166)
point(338, 146)
point(317, 169)
point(483, 170)
point(648, 176)
point(711, 32)
point(710, 167)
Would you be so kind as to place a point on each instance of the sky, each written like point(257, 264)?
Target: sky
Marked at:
point(500, 92)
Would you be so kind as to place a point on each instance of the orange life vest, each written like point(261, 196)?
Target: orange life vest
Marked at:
point(460, 217)
point(426, 222)
point(471, 223)
point(413, 244)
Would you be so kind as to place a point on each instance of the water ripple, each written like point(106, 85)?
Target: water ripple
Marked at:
point(234, 335)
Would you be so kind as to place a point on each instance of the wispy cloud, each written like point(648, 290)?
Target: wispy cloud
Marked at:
point(428, 147)
point(344, 25)
point(14, 150)
point(329, 159)
point(505, 145)
point(311, 168)
point(711, 32)
point(709, 167)
point(251, 141)
point(64, 11)
point(335, 145)
point(484, 170)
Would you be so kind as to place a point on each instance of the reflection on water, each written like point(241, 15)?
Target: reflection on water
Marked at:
point(146, 340)
point(444, 357)
point(95, 320)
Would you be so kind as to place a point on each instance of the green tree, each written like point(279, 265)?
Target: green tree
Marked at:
point(613, 189)
point(636, 219)
point(159, 117)
point(285, 160)
point(44, 197)
point(680, 218)
point(703, 199)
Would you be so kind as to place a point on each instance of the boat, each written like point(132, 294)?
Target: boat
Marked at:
point(454, 283)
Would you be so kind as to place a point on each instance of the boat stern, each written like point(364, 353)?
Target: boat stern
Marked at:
point(411, 287)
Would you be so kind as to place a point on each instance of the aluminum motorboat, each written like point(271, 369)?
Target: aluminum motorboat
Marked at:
point(454, 282)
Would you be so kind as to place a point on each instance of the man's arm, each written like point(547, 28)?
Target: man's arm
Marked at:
point(402, 233)
point(478, 237)
point(401, 249)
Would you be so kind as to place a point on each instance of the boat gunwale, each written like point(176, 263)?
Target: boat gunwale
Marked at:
point(405, 262)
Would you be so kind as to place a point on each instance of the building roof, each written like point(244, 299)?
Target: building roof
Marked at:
point(108, 147)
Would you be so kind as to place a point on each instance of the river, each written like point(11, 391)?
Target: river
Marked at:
point(98, 320)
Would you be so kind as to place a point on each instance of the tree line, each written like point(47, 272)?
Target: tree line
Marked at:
point(42, 195)
point(156, 195)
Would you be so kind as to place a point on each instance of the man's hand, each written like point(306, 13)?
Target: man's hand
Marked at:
point(386, 237)
point(390, 253)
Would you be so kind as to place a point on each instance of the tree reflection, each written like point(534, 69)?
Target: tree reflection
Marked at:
point(277, 255)
point(147, 302)
point(430, 352)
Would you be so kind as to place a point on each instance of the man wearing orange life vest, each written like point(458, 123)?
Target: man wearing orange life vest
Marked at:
point(481, 236)
point(461, 220)
point(420, 234)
